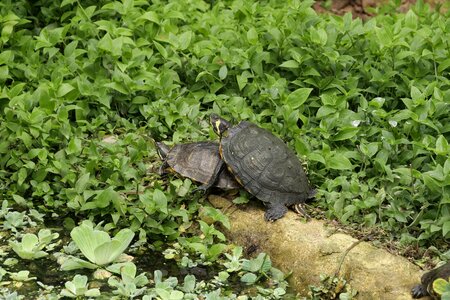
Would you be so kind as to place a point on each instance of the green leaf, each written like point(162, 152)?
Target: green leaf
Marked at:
point(223, 71)
point(161, 49)
point(441, 285)
point(215, 250)
point(339, 162)
point(199, 247)
point(328, 99)
point(442, 146)
point(74, 146)
point(346, 133)
point(411, 19)
point(22, 175)
point(161, 200)
point(88, 239)
point(118, 87)
point(64, 89)
point(82, 183)
point(290, 64)
point(325, 111)
point(150, 16)
point(252, 36)
point(249, 278)
point(106, 197)
point(162, 293)
point(369, 149)
point(189, 283)
point(4, 72)
point(67, 2)
point(445, 228)
point(6, 57)
point(19, 200)
point(28, 248)
point(176, 295)
point(261, 263)
point(106, 43)
point(74, 263)
point(444, 65)
point(107, 252)
point(97, 246)
point(415, 93)
point(242, 81)
point(298, 97)
point(318, 36)
point(185, 40)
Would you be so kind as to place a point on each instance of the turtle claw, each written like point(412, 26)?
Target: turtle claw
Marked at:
point(204, 189)
point(419, 291)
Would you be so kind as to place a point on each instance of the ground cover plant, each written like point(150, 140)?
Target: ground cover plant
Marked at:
point(87, 86)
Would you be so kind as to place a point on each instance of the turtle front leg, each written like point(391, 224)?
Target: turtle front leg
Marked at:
point(274, 211)
point(162, 170)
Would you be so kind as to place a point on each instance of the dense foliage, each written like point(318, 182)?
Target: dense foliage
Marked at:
point(87, 85)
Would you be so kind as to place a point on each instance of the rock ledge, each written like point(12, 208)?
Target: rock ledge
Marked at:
point(310, 249)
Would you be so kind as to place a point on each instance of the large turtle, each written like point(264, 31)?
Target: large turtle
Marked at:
point(196, 161)
point(263, 165)
point(426, 286)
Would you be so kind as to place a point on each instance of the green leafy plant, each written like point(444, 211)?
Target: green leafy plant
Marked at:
point(12, 296)
point(78, 287)
point(235, 260)
point(258, 268)
point(3, 272)
point(86, 86)
point(97, 246)
point(332, 287)
point(167, 289)
point(15, 220)
point(22, 276)
point(129, 285)
point(31, 245)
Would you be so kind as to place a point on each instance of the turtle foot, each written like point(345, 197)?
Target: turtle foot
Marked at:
point(204, 189)
point(419, 291)
point(274, 213)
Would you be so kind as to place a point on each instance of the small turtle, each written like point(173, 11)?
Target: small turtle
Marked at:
point(426, 286)
point(263, 165)
point(196, 161)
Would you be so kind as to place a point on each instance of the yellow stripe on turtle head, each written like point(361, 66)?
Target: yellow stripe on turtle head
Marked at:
point(217, 126)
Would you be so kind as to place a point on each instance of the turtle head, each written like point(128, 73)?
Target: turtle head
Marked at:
point(162, 149)
point(220, 125)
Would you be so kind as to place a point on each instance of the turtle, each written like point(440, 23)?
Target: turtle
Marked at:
point(425, 288)
point(263, 164)
point(196, 161)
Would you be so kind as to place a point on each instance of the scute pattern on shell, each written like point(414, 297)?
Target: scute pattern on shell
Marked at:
point(264, 165)
point(197, 161)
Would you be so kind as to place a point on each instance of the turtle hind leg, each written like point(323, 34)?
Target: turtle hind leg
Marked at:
point(274, 211)
point(419, 291)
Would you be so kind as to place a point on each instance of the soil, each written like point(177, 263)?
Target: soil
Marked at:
point(365, 9)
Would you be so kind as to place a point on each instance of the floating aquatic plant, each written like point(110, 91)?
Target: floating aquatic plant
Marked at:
point(97, 246)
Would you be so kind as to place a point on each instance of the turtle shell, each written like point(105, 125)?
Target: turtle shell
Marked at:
point(197, 161)
point(265, 166)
